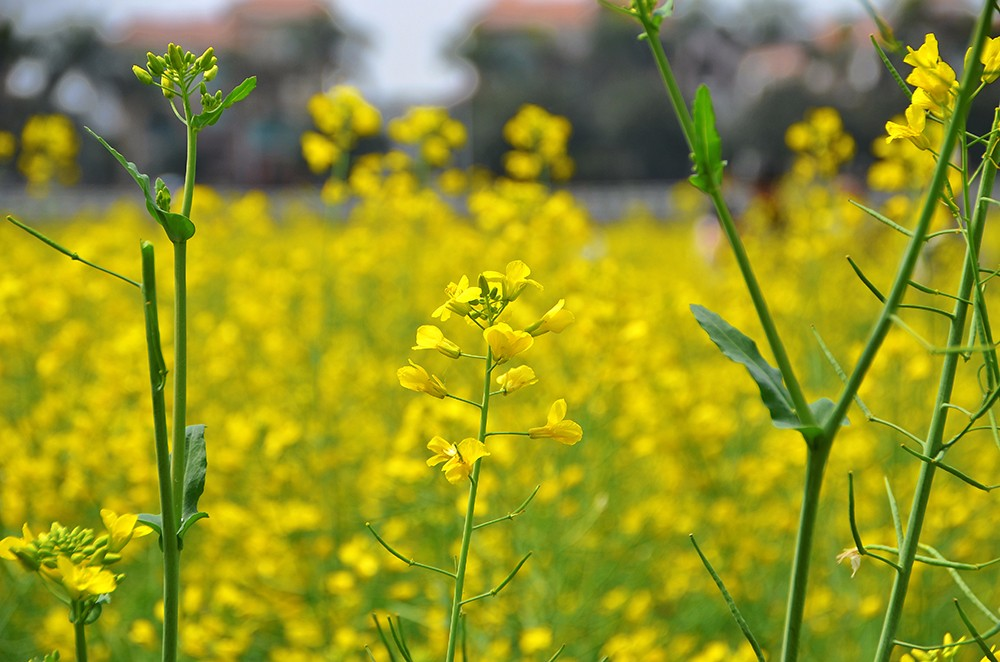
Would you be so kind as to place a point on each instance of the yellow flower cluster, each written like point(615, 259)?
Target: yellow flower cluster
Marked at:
point(342, 116)
point(539, 140)
point(75, 563)
point(49, 146)
point(434, 133)
point(820, 144)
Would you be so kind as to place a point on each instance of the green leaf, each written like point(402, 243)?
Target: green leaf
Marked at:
point(210, 117)
point(707, 145)
point(194, 473)
point(188, 521)
point(177, 226)
point(741, 349)
point(155, 522)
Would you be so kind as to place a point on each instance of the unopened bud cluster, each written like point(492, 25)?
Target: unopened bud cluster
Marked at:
point(178, 69)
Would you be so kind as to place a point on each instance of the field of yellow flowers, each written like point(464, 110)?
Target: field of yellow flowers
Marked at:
point(299, 322)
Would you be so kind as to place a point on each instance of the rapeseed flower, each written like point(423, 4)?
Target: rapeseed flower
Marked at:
point(558, 427)
point(512, 281)
point(416, 378)
point(458, 459)
point(990, 57)
point(506, 342)
point(932, 75)
point(460, 298)
point(516, 378)
point(556, 319)
point(431, 337)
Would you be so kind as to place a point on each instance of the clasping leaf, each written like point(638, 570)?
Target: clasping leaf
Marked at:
point(707, 145)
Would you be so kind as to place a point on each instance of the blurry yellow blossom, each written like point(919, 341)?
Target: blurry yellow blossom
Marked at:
point(458, 458)
point(319, 151)
point(556, 319)
point(460, 296)
point(949, 652)
point(49, 146)
point(535, 640)
point(557, 427)
point(431, 337)
point(506, 342)
point(415, 378)
point(820, 142)
point(539, 140)
point(432, 131)
point(8, 144)
point(990, 57)
point(516, 379)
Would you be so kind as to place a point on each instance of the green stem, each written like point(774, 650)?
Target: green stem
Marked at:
point(180, 378)
point(729, 228)
point(817, 455)
point(157, 381)
point(80, 633)
point(933, 444)
point(470, 511)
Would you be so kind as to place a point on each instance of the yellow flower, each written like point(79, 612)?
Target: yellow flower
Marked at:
point(513, 280)
point(319, 151)
point(79, 581)
point(8, 143)
point(20, 549)
point(415, 378)
point(932, 75)
point(431, 337)
point(990, 57)
point(557, 427)
point(122, 529)
point(458, 459)
point(516, 379)
point(555, 320)
point(460, 298)
point(506, 342)
point(913, 130)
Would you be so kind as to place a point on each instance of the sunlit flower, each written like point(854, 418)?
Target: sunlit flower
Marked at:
point(555, 320)
point(460, 298)
point(506, 342)
point(852, 556)
point(431, 337)
point(79, 581)
point(557, 427)
point(512, 281)
point(458, 459)
point(913, 130)
point(415, 378)
point(932, 75)
point(20, 549)
point(122, 529)
point(516, 379)
point(990, 57)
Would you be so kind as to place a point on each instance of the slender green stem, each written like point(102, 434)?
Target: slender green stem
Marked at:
point(180, 377)
point(470, 511)
point(80, 634)
point(157, 381)
point(729, 228)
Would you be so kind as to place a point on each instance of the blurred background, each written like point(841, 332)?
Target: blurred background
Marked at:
point(767, 62)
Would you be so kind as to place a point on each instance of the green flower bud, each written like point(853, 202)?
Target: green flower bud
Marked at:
point(112, 557)
point(205, 61)
point(162, 195)
point(211, 72)
point(144, 77)
point(155, 64)
point(167, 86)
point(176, 57)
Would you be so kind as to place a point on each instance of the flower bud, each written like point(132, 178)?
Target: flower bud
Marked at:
point(211, 72)
point(162, 195)
point(205, 61)
point(142, 75)
point(176, 57)
point(167, 86)
point(156, 64)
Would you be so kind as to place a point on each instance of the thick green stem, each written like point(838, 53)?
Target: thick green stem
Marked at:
point(470, 511)
point(80, 634)
point(157, 381)
point(968, 287)
point(818, 453)
point(180, 378)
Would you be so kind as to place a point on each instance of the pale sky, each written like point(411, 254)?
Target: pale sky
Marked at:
point(404, 59)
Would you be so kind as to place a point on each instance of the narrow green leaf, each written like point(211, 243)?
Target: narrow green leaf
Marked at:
point(187, 522)
point(744, 626)
point(155, 522)
point(177, 226)
point(197, 465)
point(240, 92)
point(707, 145)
